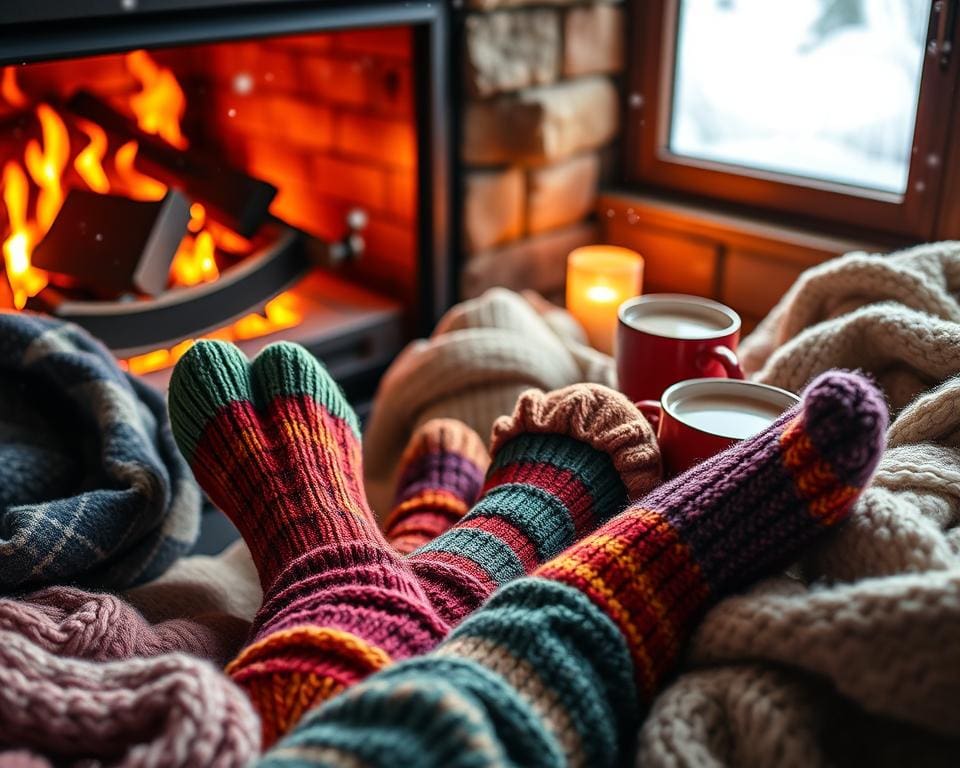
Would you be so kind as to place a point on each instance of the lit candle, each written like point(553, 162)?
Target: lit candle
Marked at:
point(599, 279)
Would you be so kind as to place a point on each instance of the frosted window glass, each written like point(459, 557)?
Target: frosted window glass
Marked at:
point(825, 89)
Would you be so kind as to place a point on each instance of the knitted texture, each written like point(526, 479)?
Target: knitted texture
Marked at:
point(277, 447)
point(482, 355)
point(896, 316)
point(852, 658)
point(201, 585)
point(92, 488)
point(563, 463)
point(554, 669)
point(171, 710)
point(441, 475)
point(70, 622)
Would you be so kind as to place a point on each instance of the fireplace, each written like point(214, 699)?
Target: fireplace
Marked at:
point(245, 171)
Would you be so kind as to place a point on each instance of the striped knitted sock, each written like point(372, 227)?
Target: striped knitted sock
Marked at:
point(563, 463)
point(441, 475)
point(555, 669)
point(277, 448)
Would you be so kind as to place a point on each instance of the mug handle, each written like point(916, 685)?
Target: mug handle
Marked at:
point(651, 410)
point(727, 358)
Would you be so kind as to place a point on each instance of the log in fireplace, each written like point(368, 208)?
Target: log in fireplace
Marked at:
point(174, 170)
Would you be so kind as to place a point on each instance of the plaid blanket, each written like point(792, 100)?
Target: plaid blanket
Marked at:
point(92, 488)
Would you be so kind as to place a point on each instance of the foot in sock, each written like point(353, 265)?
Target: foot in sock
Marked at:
point(440, 477)
point(556, 669)
point(564, 462)
point(277, 448)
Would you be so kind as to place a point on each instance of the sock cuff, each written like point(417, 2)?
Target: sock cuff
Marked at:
point(593, 414)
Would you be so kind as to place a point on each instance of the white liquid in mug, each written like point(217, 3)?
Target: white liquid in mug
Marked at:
point(734, 417)
point(677, 325)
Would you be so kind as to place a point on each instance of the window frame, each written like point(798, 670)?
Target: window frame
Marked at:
point(920, 212)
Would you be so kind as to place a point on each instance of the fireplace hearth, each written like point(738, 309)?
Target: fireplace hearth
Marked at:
point(246, 171)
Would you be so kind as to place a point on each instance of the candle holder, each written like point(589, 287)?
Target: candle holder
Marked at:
point(599, 279)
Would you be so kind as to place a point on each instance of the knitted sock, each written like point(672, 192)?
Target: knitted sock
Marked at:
point(276, 446)
point(441, 475)
point(555, 668)
point(564, 462)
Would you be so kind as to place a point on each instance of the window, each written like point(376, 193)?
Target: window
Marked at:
point(833, 109)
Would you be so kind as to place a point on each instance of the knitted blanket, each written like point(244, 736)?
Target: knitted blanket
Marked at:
point(854, 656)
point(92, 487)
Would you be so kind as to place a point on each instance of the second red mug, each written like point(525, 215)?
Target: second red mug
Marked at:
point(663, 338)
point(698, 418)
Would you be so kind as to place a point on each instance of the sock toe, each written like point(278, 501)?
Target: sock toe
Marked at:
point(287, 369)
point(446, 436)
point(596, 415)
point(210, 376)
point(846, 418)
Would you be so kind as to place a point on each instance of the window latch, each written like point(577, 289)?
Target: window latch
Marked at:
point(946, 11)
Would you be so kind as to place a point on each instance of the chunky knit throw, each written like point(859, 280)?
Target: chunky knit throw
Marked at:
point(556, 669)
point(853, 656)
point(167, 711)
point(101, 627)
point(92, 488)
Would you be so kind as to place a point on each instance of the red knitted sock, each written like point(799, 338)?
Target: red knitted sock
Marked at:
point(441, 474)
point(276, 446)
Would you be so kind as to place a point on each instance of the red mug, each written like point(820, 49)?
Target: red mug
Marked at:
point(663, 338)
point(698, 418)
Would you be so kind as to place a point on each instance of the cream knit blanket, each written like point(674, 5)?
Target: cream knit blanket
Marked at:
point(853, 657)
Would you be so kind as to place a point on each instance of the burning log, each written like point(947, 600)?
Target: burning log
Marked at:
point(113, 245)
point(231, 197)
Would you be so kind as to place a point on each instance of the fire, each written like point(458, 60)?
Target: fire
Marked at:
point(137, 185)
point(24, 280)
point(89, 162)
point(284, 311)
point(194, 261)
point(32, 190)
point(46, 164)
point(10, 90)
point(160, 104)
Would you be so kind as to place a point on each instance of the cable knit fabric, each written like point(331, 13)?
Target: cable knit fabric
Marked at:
point(555, 669)
point(440, 477)
point(896, 316)
point(851, 657)
point(483, 354)
point(170, 710)
point(72, 623)
point(92, 488)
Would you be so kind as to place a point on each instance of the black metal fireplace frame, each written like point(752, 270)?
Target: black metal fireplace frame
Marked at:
point(39, 30)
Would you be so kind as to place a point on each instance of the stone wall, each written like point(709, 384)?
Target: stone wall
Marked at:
point(542, 113)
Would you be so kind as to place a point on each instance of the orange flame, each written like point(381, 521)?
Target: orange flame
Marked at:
point(284, 311)
point(89, 162)
point(46, 164)
point(161, 103)
point(10, 90)
point(137, 185)
point(194, 261)
point(25, 281)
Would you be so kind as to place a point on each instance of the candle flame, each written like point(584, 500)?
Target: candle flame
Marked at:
point(602, 294)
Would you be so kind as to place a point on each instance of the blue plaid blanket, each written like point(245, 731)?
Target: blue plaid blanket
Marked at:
point(93, 490)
